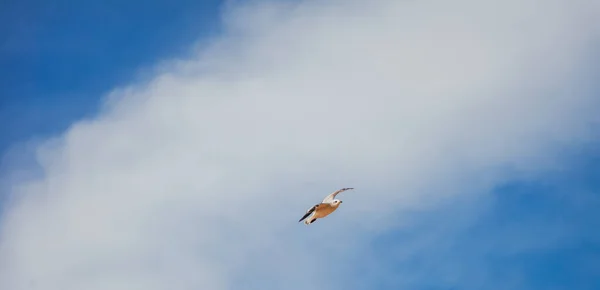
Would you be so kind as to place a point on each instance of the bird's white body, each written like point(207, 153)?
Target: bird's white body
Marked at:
point(323, 209)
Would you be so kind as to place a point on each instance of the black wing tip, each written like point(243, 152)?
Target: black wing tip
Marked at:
point(309, 212)
point(303, 218)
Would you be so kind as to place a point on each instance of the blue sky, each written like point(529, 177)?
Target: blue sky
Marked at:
point(529, 234)
point(59, 57)
point(533, 229)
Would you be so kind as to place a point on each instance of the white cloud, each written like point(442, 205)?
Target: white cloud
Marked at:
point(196, 179)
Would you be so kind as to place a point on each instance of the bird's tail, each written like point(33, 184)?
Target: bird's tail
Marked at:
point(310, 220)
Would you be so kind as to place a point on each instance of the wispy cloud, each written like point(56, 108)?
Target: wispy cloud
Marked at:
point(196, 178)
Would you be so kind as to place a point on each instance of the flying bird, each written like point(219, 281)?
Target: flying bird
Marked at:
point(323, 209)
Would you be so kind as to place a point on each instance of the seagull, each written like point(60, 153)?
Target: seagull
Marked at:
point(323, 209)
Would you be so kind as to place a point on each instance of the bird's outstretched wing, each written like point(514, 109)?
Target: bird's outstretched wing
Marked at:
point(309, 211)
point(330, 197)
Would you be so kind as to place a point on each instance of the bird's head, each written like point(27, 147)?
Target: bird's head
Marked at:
point(337, 202)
